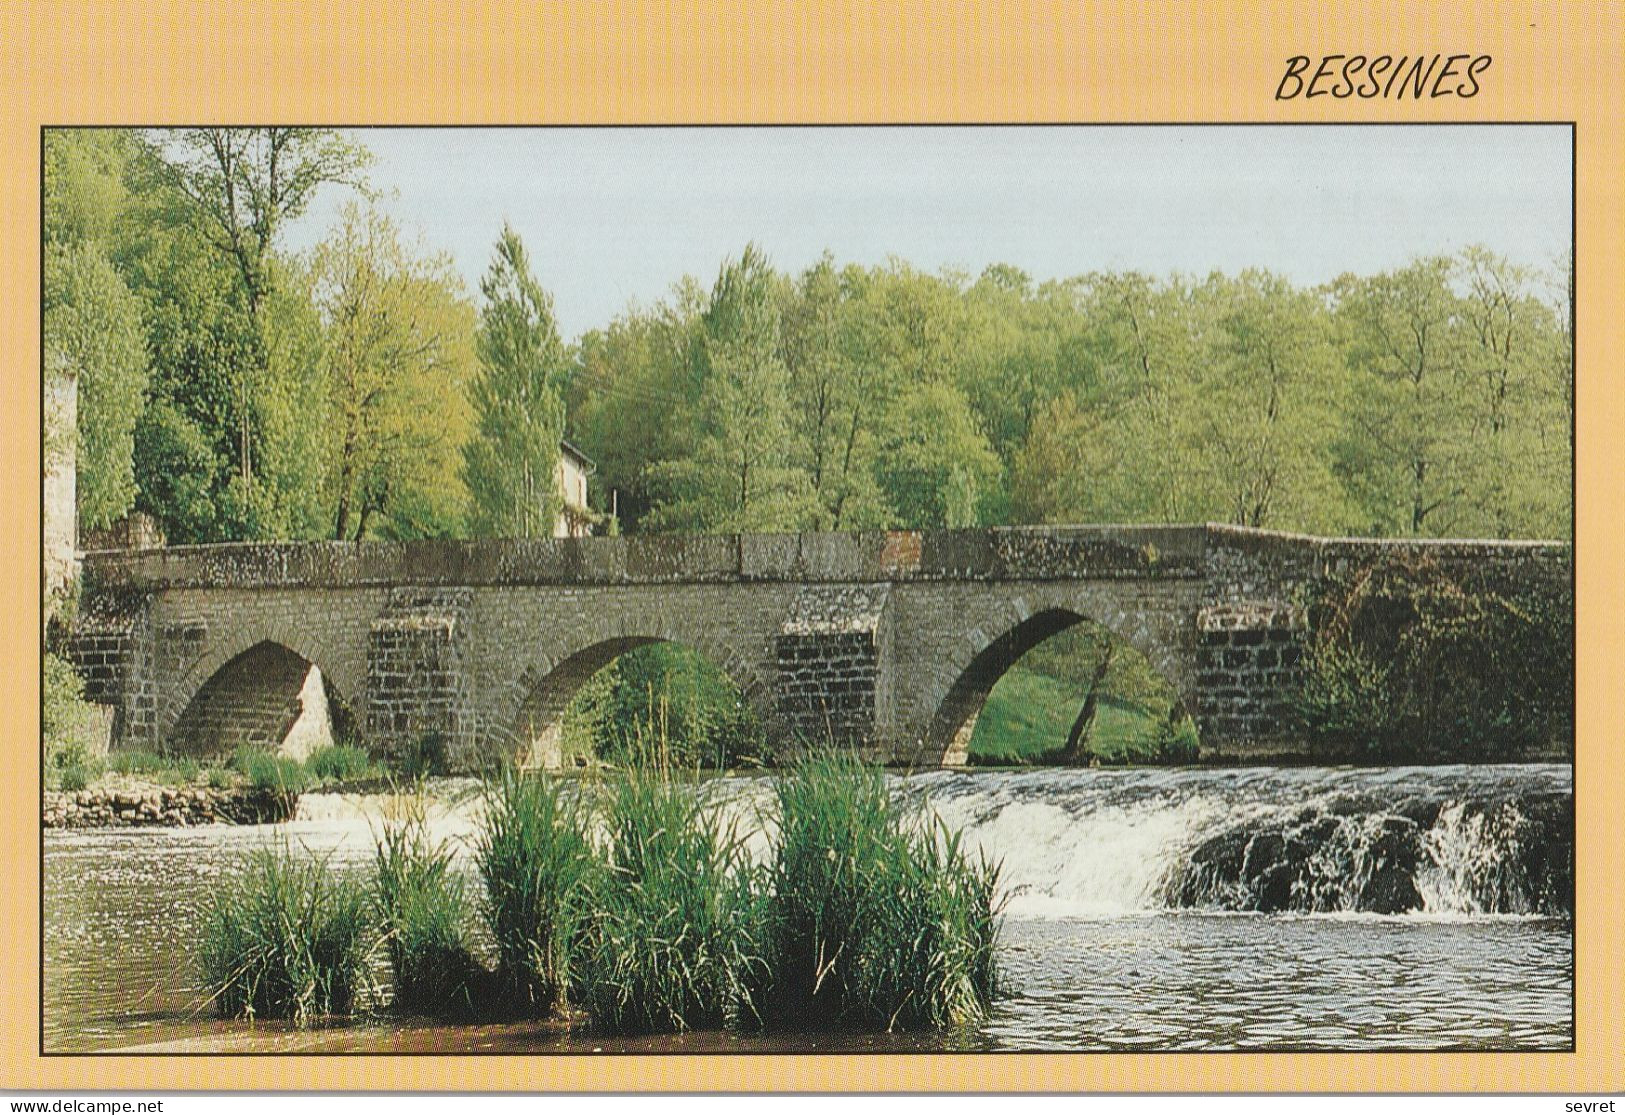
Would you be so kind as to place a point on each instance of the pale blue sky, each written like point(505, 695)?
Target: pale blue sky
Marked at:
point(611, 215)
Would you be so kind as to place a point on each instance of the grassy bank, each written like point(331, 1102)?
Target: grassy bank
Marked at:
point(247, 766)
point(1029, 714)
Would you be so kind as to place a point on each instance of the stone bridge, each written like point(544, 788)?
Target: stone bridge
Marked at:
point(890, 640)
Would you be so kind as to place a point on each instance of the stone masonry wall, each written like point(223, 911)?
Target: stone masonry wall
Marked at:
point(417, 688)
point(111, 647)
point(1253, 627)
point(890, 637)
point(828, 657)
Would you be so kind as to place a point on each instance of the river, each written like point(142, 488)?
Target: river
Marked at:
point(1424, 908)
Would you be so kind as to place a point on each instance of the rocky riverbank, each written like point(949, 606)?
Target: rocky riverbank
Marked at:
point(144, 804)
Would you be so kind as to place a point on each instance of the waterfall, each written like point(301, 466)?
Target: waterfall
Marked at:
point(1451, 842)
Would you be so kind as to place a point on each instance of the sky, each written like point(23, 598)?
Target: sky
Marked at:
point(616, 215)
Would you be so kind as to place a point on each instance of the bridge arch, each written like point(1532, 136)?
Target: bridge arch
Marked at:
point(528, 719)
point(253, 694)
point(980, 659)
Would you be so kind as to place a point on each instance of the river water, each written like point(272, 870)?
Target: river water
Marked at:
point(1256, 908)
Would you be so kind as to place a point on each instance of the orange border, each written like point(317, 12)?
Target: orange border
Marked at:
point(809, 61)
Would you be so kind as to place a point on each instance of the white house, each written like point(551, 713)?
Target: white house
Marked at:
point(575, 520)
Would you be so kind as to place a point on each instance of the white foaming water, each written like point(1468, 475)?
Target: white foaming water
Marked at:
point(1111, 843)
point(1474, 863)
point(1106, 862)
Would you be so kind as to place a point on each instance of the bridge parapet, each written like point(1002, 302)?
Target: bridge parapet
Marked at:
point(1007, 553)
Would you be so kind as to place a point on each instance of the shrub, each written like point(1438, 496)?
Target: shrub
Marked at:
point(540, 874)
point(74, 777)
point(173, 769)
point(668, 692)
point(339, 763)
point(285, 938)
point(1408, 658)
point(1176, 742)
point(65, 720)
point(423, 911)
point(874, 920)
point(673, 934)
point(137, 762)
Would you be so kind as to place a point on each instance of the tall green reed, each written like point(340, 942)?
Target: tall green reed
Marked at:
point(876, 917)
point(673, 934)
point(424, 911)
point(285, 938)
point(540, 875)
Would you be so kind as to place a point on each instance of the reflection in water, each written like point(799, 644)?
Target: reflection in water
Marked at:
point(1095, 955)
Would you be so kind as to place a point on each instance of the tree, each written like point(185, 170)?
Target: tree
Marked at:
point(935, 465)
point(1517, 398)
point(643, 362)
point(511, 463)
point(1257, 405)
point(92, 326)
point(837, 393)
point(243, 185)
point(398, 355)
point(1405, 443)
point(742, 475)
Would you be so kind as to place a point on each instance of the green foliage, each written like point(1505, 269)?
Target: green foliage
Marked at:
point(93, 330)
point(424, 757)
point(1028, 715)
point(934, 464)
point(424, 911)
point(340, 763)
point(540, 877)
point(877, 919)
point(672, 935)
point(511, 462)
point(138, 762)
point(398, 352)
point(284, 937)
point(65, 719)
point(740, 475)
point(1407, 658)
point(74, 775)
point(172, 769)
point(236, 392)
point(1030, 712)
point(266, 770)
point(668, 699)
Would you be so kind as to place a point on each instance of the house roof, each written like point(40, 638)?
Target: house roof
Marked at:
point(575, 451)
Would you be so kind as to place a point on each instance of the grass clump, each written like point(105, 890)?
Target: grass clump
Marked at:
point(672, 939)
point(266, 770)
point(172, 770)
point(75, 776)
point(423, 908)
point(285, 938)
point(539, 872)
point(874, 919)
point(340, 763)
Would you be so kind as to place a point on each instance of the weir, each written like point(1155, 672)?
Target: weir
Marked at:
point(890, 641)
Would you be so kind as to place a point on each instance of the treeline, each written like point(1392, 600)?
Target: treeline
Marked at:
point(1433, 400)
point(236, 390)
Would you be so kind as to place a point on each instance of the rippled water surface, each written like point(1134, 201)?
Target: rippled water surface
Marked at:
point(1096, 955)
